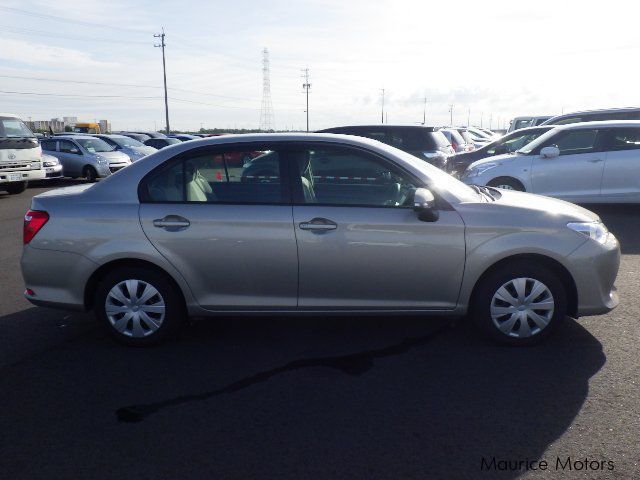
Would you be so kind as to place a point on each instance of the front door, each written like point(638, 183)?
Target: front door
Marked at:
point(360, 244)
point(576, 174)
point(230, 236)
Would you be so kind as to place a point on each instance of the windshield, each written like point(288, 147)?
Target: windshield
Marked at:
point(171, 141)
point(14, 128)
point(530, 147)
point(127, 141)
point(94, 145)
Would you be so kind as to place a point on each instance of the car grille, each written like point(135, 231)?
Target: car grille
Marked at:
point(115, 168)
point(15, 166)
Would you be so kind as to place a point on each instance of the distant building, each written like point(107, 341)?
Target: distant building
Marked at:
point(105, 126)
point(70, 121)
point(56, 125)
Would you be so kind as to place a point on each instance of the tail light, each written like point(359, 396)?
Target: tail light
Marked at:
point(34, 220)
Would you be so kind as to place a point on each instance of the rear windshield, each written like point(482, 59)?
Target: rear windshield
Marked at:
point(126, 141)
point(408, 139)
point(94, 145)
point(456, 137)
point(466, 136)
point(14, 128)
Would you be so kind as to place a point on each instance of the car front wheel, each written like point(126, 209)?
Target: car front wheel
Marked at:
point(139, 306)
point(519, 304)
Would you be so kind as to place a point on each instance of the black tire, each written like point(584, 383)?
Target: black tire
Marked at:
point(15, 188)
point(174, 312)
point(507, 183)
point(489, 285)
point(90, 174)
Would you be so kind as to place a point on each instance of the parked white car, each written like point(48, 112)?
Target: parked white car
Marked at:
point(594, 162)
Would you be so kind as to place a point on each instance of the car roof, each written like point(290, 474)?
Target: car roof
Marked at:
point(73, 137)
point(380, 127)
point(595, 112)
point(600, 123)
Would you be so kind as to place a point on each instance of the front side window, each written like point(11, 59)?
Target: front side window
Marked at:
point(333, 175)
point(67, 146)
point(49, 145)
point(237, 175)
point(625, 139)
point(576, 142)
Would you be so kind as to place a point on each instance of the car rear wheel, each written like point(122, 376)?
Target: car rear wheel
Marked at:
point(15, 187)
point(519, 304)
point(90, 174)
point(139, 306)
point(507, 183)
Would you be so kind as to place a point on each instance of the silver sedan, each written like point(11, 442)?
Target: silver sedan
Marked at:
point(313, 223)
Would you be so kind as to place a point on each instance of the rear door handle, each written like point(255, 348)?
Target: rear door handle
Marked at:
point(319, 225)
point(172, 223)
point(595, 160)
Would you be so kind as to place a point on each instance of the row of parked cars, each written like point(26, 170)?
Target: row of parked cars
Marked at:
point(96, 155)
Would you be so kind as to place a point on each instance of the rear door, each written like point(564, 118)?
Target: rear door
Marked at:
point(360, 244)
point(621, 178)
point(575, 175)
point(230, 235)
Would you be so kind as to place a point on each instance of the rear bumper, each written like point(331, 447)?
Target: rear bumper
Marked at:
point(40, 270)
point(594, 268)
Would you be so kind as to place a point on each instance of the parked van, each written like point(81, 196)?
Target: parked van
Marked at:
point(524, 122)
point(20, 155)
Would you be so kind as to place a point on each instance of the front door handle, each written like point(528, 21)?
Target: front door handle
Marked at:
point(595, 160)
point(172, 223)
point(319, 225)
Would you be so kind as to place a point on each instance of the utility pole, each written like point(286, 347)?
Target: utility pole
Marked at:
point(469, 117)
point(424, 112)
point(164, 73)
point(451, 114)
point(266, 109)
point(490, 120)
point(382, 113)
point(306, 86)
point(481, 114)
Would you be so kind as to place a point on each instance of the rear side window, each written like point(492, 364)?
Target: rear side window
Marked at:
point(522, 123)
point(625, 139)
point(224, 176)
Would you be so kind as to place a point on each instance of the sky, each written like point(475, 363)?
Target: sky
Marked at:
point(491, 60)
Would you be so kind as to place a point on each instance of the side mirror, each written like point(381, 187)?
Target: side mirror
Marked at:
point(74, 150)
point(550, 152)
point(500, 150)
point(424, 204)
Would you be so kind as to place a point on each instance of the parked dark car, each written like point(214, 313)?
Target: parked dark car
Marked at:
point(184, 137)
point(426, 143)
point(509, 143)
point(141, 137)
point(161, 142)
point(630, 113)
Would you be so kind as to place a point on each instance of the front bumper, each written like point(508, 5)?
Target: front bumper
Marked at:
point(594, 268)
point(53, 172)
point(24, 176)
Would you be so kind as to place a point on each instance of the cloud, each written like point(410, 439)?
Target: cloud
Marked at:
point(38, 54)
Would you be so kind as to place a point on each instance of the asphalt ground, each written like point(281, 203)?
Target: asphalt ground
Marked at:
point(317, 398)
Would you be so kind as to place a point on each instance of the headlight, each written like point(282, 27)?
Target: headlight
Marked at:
point(35, 165)
point(480, 169)
point(594, 230)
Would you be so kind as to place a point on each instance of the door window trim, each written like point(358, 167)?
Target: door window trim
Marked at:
point(285, 190)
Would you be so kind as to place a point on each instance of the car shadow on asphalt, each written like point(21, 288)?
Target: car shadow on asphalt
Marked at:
point(624, 222)
point(299, 397)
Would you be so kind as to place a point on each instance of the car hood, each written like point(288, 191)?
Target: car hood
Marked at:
point(113, 156)
point(499, 159)
point(546, 205)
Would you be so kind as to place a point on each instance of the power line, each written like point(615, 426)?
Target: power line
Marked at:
point(69, 20)
point(70, 95)
point(132, 85)
point(27, 31)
